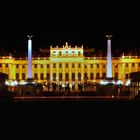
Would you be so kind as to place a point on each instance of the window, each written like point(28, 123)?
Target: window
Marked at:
point(116, 66)
point(23, 66)
point(60, 65)
point(91, 65)
point(73, 76)
point(66, 77)
point(41, 76)
point(91, 76)
point(35, 76)
point(6, 65)
point(126, 64)
point(35, 66)
point(72, 53)
point(79, 65)
point(103, 65)
point(79, 53)
point(133, 64)
point(97, 65)
point(41, 65)
point(60, 53)
point(54, 53)
point(54, 65)
point(66, 65)
point(73, 65)
point(23, 76)
point(104, 75)
point(116, 75)
point(85, 66)
point(48, 65)
point(85, 76)
point(17, 65)
point(126, 76)
point(79, 76)
point(66, 53)
point(0, 65)
point(98, 76)
point(139, 64)
point(60, 76)
point(54, 76)
point(17, 76)
point(48, 76)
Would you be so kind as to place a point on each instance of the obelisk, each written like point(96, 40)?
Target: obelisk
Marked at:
point(29, 57)
point(109, 57)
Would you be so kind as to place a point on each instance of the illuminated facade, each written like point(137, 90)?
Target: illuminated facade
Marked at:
point(68, 64)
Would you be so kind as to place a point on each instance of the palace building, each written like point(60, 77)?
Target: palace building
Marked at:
point(68, 64)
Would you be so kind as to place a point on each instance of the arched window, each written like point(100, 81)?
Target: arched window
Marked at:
point(79, 76)
point(23, 76)
point(73, 76)
point(104, 75)
point(54, 76)
point(98, 76)
point(17, 76)
point(91, 76)
point(85, 76)
point(66, 77)
point(35, 76)
point(42, 76)
point(48, 76)
point(60, 76)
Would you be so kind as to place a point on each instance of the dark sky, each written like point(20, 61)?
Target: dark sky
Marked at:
point(81, 23)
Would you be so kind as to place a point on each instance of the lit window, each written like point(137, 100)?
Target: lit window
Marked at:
point(79, 53)
point(66, 53)
point(60, 53)
point(72, 53)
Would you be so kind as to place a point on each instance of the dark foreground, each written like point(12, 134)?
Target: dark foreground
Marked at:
point(70, 104)
point(70, 116)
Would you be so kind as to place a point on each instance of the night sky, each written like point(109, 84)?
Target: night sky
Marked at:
point(81, 23)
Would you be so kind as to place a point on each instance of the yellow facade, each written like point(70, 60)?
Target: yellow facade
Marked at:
point(68, 64)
